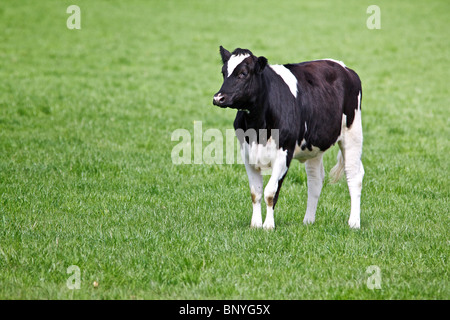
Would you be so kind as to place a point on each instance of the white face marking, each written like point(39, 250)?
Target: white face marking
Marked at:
point(234, 61)
point(338, 62)
point(287, 77)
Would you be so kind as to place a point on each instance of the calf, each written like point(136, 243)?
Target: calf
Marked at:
point(304, 109)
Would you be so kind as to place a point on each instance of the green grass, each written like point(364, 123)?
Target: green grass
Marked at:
point(86, 178)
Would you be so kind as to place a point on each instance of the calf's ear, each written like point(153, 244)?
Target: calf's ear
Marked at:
point(225, 54)
point(261, 63)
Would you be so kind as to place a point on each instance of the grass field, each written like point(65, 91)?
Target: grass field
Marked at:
point(86, 176)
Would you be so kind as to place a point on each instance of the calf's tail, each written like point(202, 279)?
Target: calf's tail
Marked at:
point(337, 171)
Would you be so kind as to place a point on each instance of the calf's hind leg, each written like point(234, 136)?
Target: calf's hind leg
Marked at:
point(351, 148)
point(354, 172)
point(315, 175)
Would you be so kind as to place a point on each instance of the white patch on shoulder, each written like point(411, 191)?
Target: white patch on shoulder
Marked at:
point(338, 62)
point(287, 77)
point(234, 61)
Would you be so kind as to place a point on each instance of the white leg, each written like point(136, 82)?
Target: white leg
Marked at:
point(269, 223)
point(255, 181)
point(354, 174)
point(351, 147)
point(315, 175)
point(256, 187)
point(279, 169)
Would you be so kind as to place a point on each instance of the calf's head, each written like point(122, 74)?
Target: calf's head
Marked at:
point(241, 79)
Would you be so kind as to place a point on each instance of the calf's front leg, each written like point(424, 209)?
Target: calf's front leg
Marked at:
point(279, 170)
point(255, 181)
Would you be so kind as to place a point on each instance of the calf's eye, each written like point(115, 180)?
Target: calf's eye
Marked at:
point(242, 75)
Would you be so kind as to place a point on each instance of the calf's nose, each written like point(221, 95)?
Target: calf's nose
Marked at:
point(219, 99)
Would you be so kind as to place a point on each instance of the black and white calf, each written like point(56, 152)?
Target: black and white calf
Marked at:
point(304, 108)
